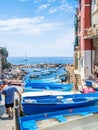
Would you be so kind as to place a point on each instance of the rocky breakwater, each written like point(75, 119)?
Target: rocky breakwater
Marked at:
point(14, 74)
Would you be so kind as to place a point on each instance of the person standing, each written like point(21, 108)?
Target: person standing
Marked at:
point(9, 92)
point(96, 70)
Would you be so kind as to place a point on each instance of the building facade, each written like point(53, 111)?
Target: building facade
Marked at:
point(85, 46)
point(94, 28)
point(0, 62)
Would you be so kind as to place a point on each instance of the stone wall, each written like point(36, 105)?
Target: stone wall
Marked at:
point(3, 58)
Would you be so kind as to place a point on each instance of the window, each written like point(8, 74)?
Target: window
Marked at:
point(80, 4)
point(94, 2)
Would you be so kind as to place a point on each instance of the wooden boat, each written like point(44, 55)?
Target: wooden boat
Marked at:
point(36, 70)
point(49, 86)
point(92, 83)
point(50, 103)
point(88, 90)
point(34, 76)
point(95, 86)
point(45, 80)
point(76, 119)
point(88, 83)
point(45, 73)
point(46, 93)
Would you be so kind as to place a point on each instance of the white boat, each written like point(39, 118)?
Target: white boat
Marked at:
point(46, 92)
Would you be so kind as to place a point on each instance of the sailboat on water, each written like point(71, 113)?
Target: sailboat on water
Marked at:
point(25, 59)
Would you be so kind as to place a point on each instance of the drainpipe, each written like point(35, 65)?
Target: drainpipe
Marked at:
point(91, 57)
point(91, 39)
point(0, 67)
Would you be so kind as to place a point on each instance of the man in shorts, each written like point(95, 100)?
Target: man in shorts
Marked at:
point(9, 92)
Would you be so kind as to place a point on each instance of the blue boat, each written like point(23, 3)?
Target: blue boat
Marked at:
point(48, 86)
point(50, 103)
point(93, 84)
point(88, 83)
point(54, 120)
point(45, 80)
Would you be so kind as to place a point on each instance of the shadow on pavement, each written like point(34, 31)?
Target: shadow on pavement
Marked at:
point(2, 110)
point(6, 118)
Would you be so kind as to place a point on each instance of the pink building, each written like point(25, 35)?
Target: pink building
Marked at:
point(84, 47)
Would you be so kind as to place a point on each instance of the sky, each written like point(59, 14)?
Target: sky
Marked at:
point(37, 27)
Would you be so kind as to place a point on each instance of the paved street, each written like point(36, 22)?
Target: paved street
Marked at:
point(6, 123)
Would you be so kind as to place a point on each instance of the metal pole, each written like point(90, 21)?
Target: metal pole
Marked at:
point(16, 115)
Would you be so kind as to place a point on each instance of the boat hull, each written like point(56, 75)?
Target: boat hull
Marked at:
point(61, 120)
point(48, 86)
point(36, 106)
point(82, 123)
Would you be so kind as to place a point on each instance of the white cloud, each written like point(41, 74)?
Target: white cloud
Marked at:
point(53, 10)
point(18, 21)
point(36, 37)
point(27, 26)
point(36, 1)
point(23, 25)
point(23, 0)
point(44, 6)
point(52, 1)
point(61, 46)
point(64, 6)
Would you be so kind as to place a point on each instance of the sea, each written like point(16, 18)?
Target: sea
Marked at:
point(39, 60)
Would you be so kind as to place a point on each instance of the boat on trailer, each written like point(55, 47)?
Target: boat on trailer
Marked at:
point(50, 103)
point(75, 119)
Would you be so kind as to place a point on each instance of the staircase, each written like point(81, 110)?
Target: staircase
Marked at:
point(75, 79)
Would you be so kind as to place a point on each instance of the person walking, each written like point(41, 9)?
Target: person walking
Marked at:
point(9, 92)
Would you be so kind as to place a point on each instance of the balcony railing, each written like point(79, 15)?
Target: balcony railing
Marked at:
point(91, 33)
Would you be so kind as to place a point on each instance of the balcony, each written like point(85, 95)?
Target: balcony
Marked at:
point(91, 33)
